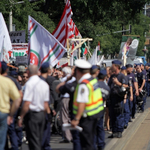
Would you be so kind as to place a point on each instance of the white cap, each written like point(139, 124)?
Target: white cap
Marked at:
point(83, 64)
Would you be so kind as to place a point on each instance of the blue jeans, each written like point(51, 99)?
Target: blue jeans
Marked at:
point(126, 112)
point(3, 129)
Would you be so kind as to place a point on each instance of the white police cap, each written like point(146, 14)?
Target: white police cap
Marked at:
point(83, 64)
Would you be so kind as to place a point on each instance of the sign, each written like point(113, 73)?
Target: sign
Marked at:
point(19, 49)
point(17, 36)
point(21, 60)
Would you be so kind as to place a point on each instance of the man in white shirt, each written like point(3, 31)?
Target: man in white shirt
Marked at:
point(35, 99)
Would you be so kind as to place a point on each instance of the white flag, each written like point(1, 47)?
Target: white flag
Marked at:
point(43, 46)
point(93, 60)
point(5, 42)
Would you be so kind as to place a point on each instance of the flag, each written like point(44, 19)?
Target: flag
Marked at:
point(43, 45)
point(62, 29)
point(93, 60)
point(5, 42)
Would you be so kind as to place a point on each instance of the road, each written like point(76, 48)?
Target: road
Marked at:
point(55, 145)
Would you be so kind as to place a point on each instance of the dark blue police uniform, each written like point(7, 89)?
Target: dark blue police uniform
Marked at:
point(117, 105)
point(148, 82)
point(141, 77)
point(100, 138)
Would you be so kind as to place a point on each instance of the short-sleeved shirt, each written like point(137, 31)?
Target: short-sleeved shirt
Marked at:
point(140, 77)
point(131, 79)
point(122, 79)
point(7, 90)
point(83, 91)
point(104, 89)
point(36, 92)
point(148, 74)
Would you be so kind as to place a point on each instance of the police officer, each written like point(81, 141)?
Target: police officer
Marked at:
point(126, 101)
point(117, 84)
point(132, 95)
point(100, 138)
point(147, 67)
point(144, 73)
point(141, 82)
point(87, 104)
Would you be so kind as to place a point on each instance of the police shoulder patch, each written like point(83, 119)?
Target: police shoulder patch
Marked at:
point(82, 91)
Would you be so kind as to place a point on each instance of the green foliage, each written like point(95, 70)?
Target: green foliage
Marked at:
point(96, 19)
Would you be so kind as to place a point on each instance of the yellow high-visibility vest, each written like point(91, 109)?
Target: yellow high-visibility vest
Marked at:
point(95, 102)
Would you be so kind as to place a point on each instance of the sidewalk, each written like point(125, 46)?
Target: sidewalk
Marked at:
point(136, 136)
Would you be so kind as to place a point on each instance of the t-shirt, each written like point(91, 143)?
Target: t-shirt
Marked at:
point(7, 90)
point(140, 77)
point(104, 89)
point(114, 89)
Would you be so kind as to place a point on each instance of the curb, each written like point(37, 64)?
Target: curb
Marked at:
point(119, 144)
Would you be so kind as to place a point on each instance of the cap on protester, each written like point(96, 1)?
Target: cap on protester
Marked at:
point(123, 68)
point(44, 67)
point(116, 62)
point(82, 64)
point(3, 66)
point(138, 65)
point(94, 67)
point(103, 72)
point(129, 66)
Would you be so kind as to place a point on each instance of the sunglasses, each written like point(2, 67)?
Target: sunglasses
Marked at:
point(25, 76)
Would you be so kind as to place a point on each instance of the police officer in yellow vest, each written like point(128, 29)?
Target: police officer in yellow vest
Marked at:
point(87, 104)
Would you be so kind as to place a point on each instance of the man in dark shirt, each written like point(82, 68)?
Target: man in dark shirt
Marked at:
point(47, 129)
point(15, 134)
point(147, 67)
point(141, 82)
point(132, 97)
point(117, 81)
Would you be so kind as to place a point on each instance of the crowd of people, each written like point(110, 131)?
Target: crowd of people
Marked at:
point(98, 99)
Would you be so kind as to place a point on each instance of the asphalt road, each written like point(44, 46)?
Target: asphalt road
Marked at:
point(55, 145)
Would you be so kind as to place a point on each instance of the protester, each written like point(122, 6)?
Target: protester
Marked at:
point(33, 111)
point(8, 90)
point(67, 137)
point(15, 134)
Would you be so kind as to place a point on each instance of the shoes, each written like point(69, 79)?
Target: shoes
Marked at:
point(125, 126)
point(130, 120)
point(64, 141)
point(113, 135)
point(100, 148)
point(133, 117)
point(119, 135)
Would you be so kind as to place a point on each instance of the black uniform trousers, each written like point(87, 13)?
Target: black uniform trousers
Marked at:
point(87, 135)
point(34, 126)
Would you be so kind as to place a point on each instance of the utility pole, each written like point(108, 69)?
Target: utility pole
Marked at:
point(10, 14)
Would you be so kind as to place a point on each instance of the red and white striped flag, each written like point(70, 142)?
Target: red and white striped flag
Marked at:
point(62, 29)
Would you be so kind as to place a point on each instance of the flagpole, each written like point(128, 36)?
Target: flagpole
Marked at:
point(68, 54)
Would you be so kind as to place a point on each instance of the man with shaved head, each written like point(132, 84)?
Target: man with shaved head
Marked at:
point(36, 97)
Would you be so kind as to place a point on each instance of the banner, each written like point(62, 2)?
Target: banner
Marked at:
point(17, 36)
point(132, 48)
point(5, 43)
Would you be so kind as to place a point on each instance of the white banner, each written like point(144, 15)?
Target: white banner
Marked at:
point(5, 43)
point(17, 36)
